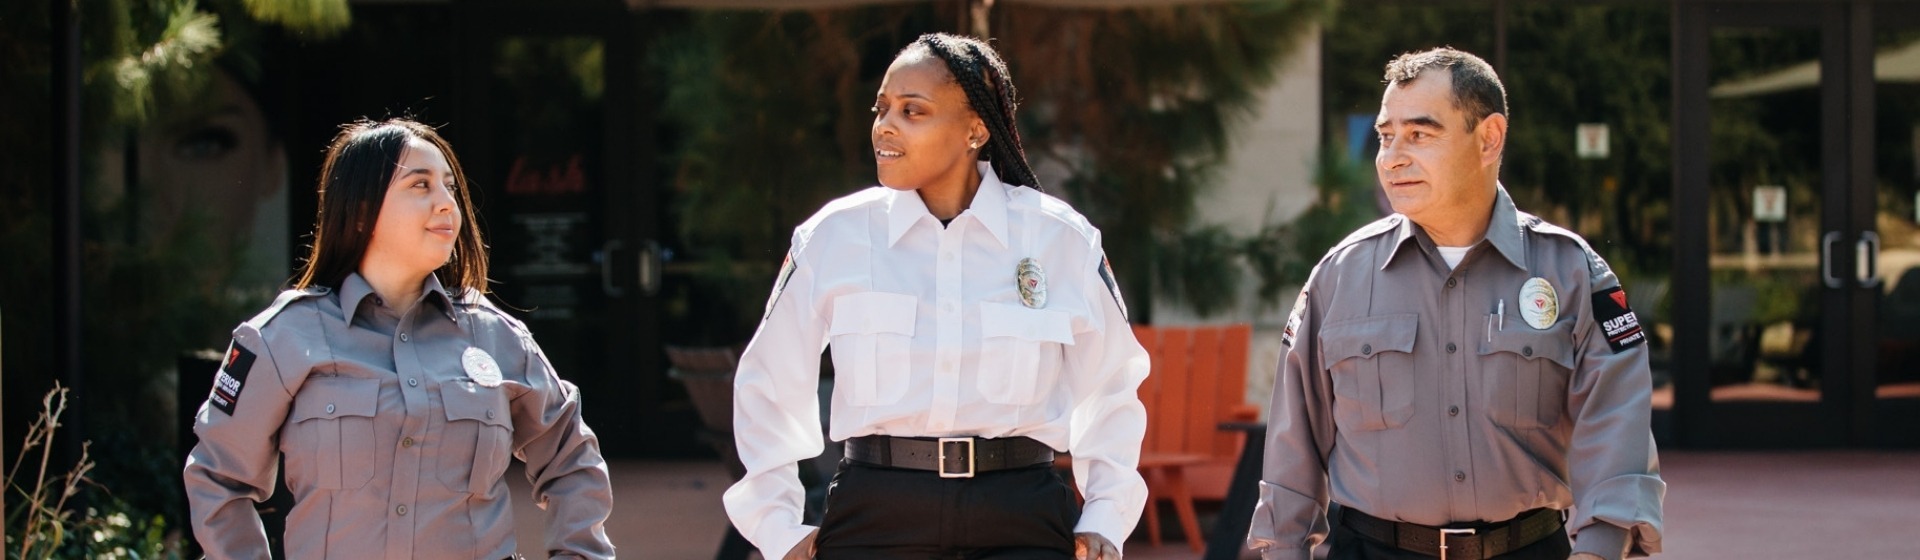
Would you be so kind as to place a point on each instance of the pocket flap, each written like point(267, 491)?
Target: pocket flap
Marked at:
point(1554, 344)
point(873, 312)
point(334, 397)
point(1367, 337)
point(1003, 320)
point(466, 400)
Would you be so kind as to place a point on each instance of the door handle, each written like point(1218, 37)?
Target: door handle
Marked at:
point(605, 256)
point(649, 268)
point(1866, 264)
point(1826, 260)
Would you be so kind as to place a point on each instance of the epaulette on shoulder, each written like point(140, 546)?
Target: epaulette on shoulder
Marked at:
point(859, 199)
point(478, 302)
point(280, 304)
point(1596, 266)
point(1055, 208)
point(1368, 231)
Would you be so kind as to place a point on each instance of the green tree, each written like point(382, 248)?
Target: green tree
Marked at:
point(144, 300)
point(1136, 106)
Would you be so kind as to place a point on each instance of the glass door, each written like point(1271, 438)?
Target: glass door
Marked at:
point(1890, 244)
point(1762, 194)
point(550, 103)
point(1798, 255)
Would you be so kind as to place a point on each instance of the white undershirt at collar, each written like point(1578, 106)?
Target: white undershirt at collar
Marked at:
point(1453, 255)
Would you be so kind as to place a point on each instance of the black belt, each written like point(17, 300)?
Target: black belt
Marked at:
point(951, 457)
point(1471, 542)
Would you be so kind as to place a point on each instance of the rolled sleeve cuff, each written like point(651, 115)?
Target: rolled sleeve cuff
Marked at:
point(1100, 517)
point(1629, 505)
point(1603, 540)
point(775, 542)
point(1277, 553)
point(1286, 524)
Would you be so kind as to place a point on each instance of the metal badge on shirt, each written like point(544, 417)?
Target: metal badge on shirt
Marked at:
point(1539, 305)
point(1293, 319)
point(232, 378)
point(1106, 275)
point(1617, 321)
point(1033, 283)
point(480, 367)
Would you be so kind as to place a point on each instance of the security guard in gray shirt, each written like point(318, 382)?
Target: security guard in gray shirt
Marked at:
point(395, 399)
point(1459, 376)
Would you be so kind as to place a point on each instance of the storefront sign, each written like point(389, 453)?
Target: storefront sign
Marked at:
point(1770, 203)
point(1590, 141)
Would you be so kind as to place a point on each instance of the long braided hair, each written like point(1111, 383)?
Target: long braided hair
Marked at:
point(983, 75)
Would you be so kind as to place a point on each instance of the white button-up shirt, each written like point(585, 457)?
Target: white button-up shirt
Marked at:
point(930, 338)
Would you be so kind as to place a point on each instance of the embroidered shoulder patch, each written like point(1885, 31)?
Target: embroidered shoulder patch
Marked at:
point(1106, 275)
point(1617, 321)
point(1293, 319)
point(231, 378)
point(779, 284)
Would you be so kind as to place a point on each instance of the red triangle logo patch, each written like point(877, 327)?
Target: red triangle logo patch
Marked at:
point(1620, 298)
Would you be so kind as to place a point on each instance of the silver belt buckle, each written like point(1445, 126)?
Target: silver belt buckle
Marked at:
point(1443, 539)
point(942, 467)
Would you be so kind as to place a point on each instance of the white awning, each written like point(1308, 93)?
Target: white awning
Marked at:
point(1897, 64)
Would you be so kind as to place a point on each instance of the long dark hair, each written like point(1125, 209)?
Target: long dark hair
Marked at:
point(983, 75)
point(353, 184)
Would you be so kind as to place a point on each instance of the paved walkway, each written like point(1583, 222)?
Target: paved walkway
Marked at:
point(1720, 505)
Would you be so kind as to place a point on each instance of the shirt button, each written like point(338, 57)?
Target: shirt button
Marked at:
point(413, 382)
point(403, 337)
point(402, 510)
point(406, 442)
point(1527, 351)
point(1451, 348)
point(1459, 476)
point(949, 307)
point(947, 256)
point(1453, 410)
point(329, 408)
point(1451, 282)
point(489, 415)
point(1366, 349)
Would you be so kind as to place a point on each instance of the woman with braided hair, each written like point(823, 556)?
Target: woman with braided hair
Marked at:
point(975, 331)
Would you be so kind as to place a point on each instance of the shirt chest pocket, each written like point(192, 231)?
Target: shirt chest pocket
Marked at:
point(330, 438)
point(477, 439)
point(872, 341)
point(1020, 352)
point(1524, 375)
point(1371, 362)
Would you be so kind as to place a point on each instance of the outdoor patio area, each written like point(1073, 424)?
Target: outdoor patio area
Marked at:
point(1720, 505)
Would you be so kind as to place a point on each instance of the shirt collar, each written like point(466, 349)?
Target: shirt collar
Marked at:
point(355, 290)
point(1503, 231)
point(989, 207)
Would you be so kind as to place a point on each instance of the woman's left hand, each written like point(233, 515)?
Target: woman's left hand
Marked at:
point(1092, 546)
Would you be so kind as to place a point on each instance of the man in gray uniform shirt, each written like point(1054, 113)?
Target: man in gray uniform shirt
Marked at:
point(1464, 379)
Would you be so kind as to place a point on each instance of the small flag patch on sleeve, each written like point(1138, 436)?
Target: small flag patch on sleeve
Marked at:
point(1293, 319)
point(231, 378)
point(1106, 275)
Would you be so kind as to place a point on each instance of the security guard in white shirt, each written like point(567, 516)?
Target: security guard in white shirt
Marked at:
point(975, 331)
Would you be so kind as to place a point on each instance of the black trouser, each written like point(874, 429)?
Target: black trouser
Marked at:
point(1349, 545)
point(1014, 514)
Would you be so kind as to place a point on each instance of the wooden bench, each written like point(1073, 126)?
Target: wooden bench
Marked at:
point(1199, 379)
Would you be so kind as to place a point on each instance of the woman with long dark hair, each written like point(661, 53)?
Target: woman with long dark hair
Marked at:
point(975, 331)
point(394, 389)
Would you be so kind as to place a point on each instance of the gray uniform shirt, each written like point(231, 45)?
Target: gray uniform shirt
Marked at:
point(1404, 394)
point(396, 437)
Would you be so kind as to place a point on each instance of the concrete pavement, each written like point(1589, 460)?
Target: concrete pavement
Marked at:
point(1720, 505)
